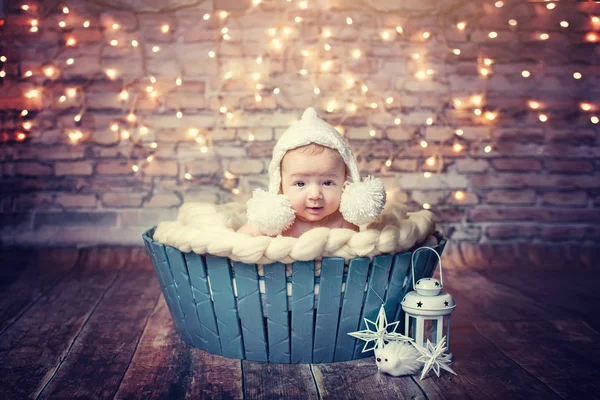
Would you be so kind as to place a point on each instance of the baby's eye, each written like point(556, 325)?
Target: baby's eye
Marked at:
point(386, 360)
point(329, 183)
point(299, 184)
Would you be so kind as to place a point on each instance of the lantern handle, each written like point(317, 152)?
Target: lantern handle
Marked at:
point(412, 264)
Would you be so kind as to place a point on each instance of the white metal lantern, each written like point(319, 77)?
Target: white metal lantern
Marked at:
point(426, 306)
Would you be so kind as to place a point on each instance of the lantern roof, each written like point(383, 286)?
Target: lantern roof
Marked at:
point(428, 305)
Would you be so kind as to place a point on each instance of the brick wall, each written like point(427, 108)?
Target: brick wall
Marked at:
point(89, 166)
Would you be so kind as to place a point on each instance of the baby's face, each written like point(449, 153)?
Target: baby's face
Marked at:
point(313, 183)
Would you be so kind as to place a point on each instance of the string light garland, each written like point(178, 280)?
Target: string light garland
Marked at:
point(326, 58)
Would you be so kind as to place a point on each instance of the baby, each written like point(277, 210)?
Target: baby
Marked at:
point(314, 182)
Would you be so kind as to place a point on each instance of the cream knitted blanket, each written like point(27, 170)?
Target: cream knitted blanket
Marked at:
point(208, 228)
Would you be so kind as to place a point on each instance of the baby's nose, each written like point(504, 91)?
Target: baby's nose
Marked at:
point(314, 192)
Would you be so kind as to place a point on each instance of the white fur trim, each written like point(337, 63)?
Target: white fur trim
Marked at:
point(270, 214)
point(362, 202)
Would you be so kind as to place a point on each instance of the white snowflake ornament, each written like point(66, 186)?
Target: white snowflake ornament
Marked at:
point(434, 357)
point(380, 334)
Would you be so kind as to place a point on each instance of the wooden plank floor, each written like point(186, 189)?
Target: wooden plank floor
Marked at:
point(92, 324)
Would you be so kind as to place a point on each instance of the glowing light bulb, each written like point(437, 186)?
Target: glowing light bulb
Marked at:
point(331, 106)
point(429, 121)
point(490, 115)
point(577, 75)
point(459, 195)
point(49, 71)
point(317, 90)
point(461, 25)
point(351, 107)
point(32, 94)
point(349, 20)
point(203, 149)
point(499, 4)
point(188, 176)
point(135, 43)
point(356, 53)
point(86, 24)
point(326, 33)
point(423, 144)
point(179, 114)
point(388, 163)
point(364, 88)
point(389, 100)
point(397, 121)
point(427, 174)
point(193, 132)
point(298, 19)
point(114, 42)
point(135, 168)
point(457, 147)
point(150, 158)
point(487, 148)
point(326, 65)
point(224, 30)
point(256, 2)
point(272, 31)
point(114, 127)
point(595, 20)
point(24, 113)
point(512, 22)
point(534, 104)
point(131, 117)
point(493, 35)
point(77, 118)
point(228, 175)
point(155, 49)
point(456, 52)
point(564, 24)
point(327, 47)
point(2, 74)
point(543, 117)
point(303, 72)
point(27, 125)
point(421, 75)
point(71, 41)
point(385, 35)
point(34, 29)
point(143, 130)
point(457, 103)
point(550, 6)
point(70, 61)
point(223, 14)
point(259, 60)
point(153, 145)
point(24, 7)
point(373, 105)
point(206, 17)
point(62, 24)
point(476, 99)
point(116, 26)
point(65, 10)
point(544, 36)
point(223, 109)
point(594, 119)
point(71, 92)
point(251, 137)
point(149, 89)
point(525, 74)
point(303, 5)
point(34, 22)
point(426, 35)
point(165, 28)
point(111, 73)
point(258, 98)
point(256, 76)
point(399, 29)
point(484, 71)
point(75, 136)
point(591, 37)
point(276, 91)
point(178, 81)
point(586, 106)
point(3, 59)
point(228, 75)
point(125, 134)
point(372, 133)
point(430, 161)
point(211, 54)
point(477, 111)
point(459, 132)
point(488, 61)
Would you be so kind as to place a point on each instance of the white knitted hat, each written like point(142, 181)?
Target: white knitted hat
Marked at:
point(271, 213)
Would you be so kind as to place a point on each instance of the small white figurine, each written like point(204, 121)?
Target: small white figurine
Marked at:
point(398, 358)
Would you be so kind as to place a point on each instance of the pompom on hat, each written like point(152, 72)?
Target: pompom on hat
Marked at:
point(361, 203)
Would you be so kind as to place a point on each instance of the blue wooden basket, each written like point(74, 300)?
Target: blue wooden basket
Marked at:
point(217, 306)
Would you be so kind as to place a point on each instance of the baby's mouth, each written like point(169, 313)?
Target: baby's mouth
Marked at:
point(314, 209)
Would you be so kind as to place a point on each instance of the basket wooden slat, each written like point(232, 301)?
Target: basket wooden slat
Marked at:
point(358, 270)
point(203, 302)
point(230, 333)
point(250, 311)
point(328, 309)
point(378, 279)
point(400, 267)
point(181, 280)
point(277, 313)
point(163, 272)
point(302, 307)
